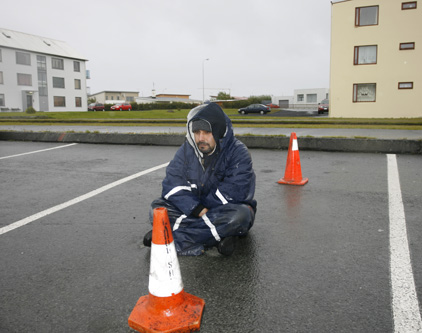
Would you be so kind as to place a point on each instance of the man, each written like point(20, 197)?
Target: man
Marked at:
point(209, 186)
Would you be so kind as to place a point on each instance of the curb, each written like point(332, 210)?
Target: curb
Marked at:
point(404, 146)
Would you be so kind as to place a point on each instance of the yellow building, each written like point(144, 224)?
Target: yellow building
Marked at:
point(376, 59)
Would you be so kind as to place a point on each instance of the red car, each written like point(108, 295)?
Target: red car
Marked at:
point(323, 106)
point(122, 107)
point(273, 106)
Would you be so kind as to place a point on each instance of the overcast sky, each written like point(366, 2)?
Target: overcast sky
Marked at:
point(254, 47)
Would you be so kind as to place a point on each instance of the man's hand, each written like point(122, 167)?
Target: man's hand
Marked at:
point(204, 211)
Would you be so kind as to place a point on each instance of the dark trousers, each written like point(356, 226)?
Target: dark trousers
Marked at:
point(192, 235)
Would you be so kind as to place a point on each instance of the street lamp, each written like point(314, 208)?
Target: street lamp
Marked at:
point(203, 80)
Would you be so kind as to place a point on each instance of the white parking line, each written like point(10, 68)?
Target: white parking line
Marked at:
point(405, 304)
point(54, 209)
point(38, 151)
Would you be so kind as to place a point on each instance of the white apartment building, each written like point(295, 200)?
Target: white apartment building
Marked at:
point(41, 72)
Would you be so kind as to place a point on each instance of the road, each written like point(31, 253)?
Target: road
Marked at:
point(320, 258)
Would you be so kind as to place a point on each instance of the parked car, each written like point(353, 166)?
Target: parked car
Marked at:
point(273, 106)
point(96, 107)
point(255, 108)
point(323, 106)
point(121, 107)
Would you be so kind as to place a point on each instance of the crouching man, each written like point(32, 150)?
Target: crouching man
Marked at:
point(209, 186)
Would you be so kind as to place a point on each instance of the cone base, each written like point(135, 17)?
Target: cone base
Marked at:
point(182, 317)
point(303, 181)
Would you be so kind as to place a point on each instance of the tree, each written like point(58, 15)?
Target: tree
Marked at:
point(223, 96)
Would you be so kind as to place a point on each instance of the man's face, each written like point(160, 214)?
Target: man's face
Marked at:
point(205, 141)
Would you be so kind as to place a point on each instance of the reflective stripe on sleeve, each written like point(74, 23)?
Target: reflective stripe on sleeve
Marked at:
point(177, 189)
point(221, 197)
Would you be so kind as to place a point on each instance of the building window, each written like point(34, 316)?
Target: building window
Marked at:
point(407, 46)
point(2, 103)
point(0, 56)
point(366, 16)
point(1, 78)
point(76, 66)
point(57, 63)
point(58, 82)
point(365, 55)
point(78, 102)
point(405, 85)
point(408, 5)
point(364, 92)
point(59, 101)
point(300, 98)
point(311, 98)
point(41, 62)
point(23, 58)
point(24, 79)
point(77, 84)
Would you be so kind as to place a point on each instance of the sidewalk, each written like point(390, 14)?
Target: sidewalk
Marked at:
point(323, 139)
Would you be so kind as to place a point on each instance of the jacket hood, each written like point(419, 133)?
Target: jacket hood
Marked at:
point(221, 124)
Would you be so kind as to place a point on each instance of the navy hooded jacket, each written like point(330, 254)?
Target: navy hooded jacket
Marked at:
point(229, 178)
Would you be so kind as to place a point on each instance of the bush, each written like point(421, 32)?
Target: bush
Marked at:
point(30, 110)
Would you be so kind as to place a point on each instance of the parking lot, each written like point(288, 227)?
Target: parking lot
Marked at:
point(329, 256)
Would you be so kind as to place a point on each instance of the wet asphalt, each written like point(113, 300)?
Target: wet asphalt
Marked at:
point(316, 260)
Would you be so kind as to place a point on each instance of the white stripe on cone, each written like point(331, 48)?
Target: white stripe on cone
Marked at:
point(165, 279)
point(295, 145)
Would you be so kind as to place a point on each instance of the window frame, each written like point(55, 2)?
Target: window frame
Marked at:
point(23, 56)
point(22, 75)
point(57, 80)
point(401, 48)
point(355, 97)
point(58, 100)
point(403, 5)
point(405, 83)
point(76, 66)
point(76, 102)
point(358, 16)
point(78, 84)
point(356, 55)
point(57, 63)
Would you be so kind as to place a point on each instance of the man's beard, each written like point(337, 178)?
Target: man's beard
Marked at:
point(205, 149)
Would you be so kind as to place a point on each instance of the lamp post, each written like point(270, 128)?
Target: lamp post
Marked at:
point(203, 80)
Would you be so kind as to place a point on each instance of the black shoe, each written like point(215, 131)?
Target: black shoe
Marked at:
point(148, 239)
point(227, 245)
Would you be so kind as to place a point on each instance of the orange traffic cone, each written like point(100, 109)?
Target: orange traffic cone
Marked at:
point(167, 307)
point(293, 173)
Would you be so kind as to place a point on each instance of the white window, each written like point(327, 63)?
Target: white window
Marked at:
point(58, 82)
point(24, 79)
point(57, 63)
point(300, 97)
point(405, 85)
point(78, 102)
point(366, 16)
point(23, 58)
point(365, 55)
point(407, 46)
point(76, 66)
point(77, 84)
point(2, 103)
point(408, 5)
point(364, 92)
point(1, 78)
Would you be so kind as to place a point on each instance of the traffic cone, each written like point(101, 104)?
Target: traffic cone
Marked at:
point(293, 172)
point(167, 307)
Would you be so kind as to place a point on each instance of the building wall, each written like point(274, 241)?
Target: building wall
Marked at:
point(16, 95)
point(115, 96)
point(392, 66)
